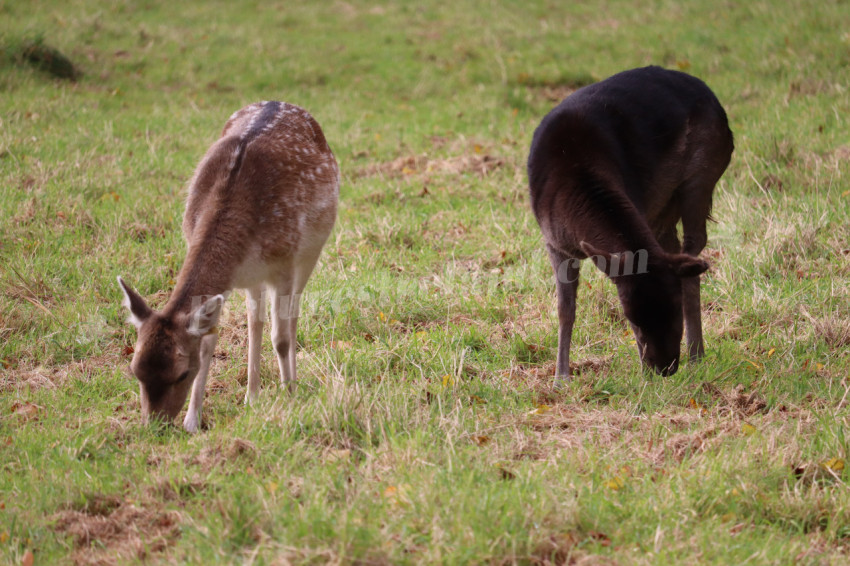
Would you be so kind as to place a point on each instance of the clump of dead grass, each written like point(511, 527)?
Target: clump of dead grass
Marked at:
point(109, 530)
point(563, 549)
point(673, 435)
point(737, 402)
point(176, 491)
point(833, 329)
point(540, 378)
point(52, 377)
point(557, 550)
point(211, 457)
point(680, 446)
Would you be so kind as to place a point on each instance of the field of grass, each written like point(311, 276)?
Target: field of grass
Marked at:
point(425, 427)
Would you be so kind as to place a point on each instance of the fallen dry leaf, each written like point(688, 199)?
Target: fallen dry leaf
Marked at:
point(835, 465)
point(540, 410)
point(397, 495)
point(695, 405)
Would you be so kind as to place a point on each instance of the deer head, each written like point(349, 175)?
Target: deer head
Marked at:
point(167, 352)
point(652, 302)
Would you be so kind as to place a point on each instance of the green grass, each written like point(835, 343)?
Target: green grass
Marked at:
point(425, 428)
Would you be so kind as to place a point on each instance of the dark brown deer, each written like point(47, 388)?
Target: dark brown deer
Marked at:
point(261, 205)
point(612, 170)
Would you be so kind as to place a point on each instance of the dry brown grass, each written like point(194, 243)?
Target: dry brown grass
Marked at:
point(672, 435)
point(479, 164)
point(109, 530)
point(41, 377)
point(834, 329)
point(211, 457)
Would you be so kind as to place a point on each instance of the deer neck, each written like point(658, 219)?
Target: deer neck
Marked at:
point(622, 228)
point(207, 271)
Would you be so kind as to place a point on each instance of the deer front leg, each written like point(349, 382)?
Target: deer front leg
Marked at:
point(693, 317)
point(192, 422)
point(693, 241)
point(255, 302)
point(566, 281)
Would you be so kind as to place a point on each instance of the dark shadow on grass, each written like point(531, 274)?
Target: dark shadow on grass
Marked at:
point(34, 52)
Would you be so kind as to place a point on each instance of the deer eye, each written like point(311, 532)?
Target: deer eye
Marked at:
point(182, 377)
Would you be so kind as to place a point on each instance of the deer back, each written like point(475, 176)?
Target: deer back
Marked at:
point(606, 163)
point(265, 190)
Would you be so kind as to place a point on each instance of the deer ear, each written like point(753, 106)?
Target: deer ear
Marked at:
point(204, 319)
point(607, 262)
point(139, 310)
point(685, 265)
point(592, 250)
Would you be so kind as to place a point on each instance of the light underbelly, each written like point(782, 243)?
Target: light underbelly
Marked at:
point(251, 272)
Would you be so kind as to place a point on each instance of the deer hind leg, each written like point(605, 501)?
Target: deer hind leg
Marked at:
point(192, 422)
point(283, 338)
point(303, 267)
point(255, 303)
point(566, 281)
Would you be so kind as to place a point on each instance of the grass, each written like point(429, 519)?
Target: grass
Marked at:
point(425, 428)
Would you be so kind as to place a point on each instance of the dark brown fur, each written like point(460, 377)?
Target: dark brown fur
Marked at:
point(613, 169)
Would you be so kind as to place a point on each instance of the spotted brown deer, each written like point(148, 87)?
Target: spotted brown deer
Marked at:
point(612, 170)
point(261, 205)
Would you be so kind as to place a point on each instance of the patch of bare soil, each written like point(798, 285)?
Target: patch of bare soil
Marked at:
point(108, 530)
point(481, 164)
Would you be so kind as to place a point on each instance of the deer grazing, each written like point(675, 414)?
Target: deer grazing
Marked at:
point(260, 207)
point(612, 169)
